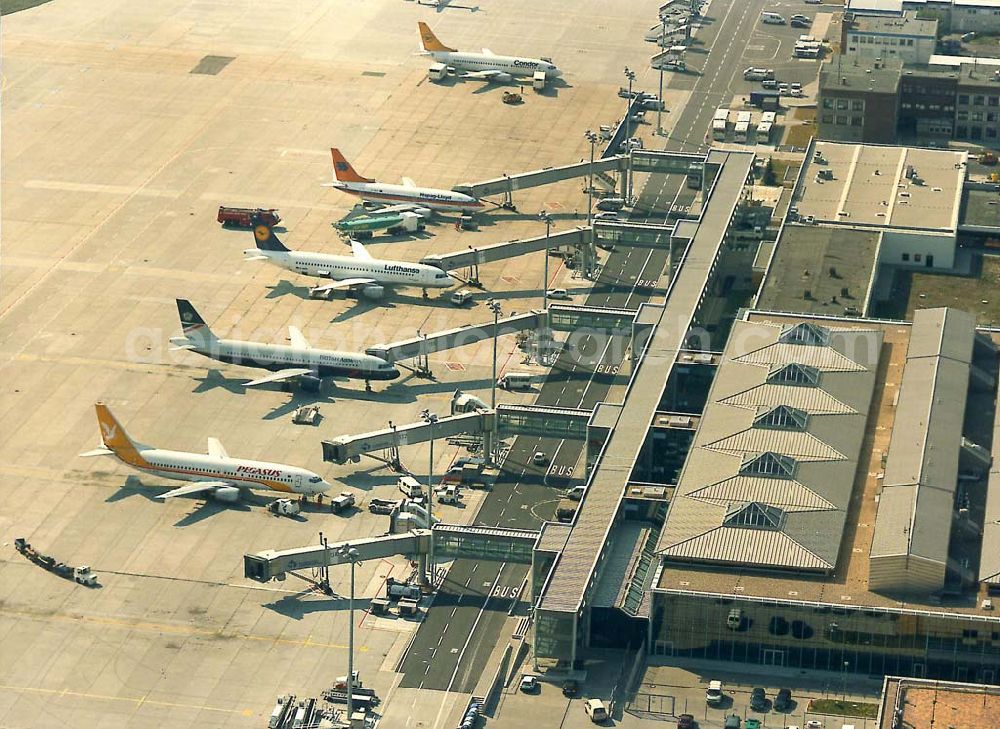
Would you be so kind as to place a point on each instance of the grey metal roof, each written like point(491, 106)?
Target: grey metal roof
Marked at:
point(989, 561)
point(921, 471)
point(790, 486)
point(574, 571)
point(552, 537)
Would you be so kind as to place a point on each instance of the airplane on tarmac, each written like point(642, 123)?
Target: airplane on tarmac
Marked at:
point(487, 65)
point(406, 196)
point(297, 361)
point(216, 473)
point(359, 272)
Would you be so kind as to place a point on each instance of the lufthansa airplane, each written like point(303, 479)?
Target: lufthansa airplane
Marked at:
point(487, 65)
point(215, 474)
point(360, 271)
point(406, 196)
point(297, 361)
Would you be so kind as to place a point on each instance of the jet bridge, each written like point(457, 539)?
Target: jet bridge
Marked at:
point(559, 318)
point(351, 447)
point(472, 257)
point(507, 184)
point(451, 541)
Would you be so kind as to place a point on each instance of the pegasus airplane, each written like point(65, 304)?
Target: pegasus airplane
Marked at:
point(297, 361)
point(401, 197)
point(216, 473)
point(359, 272)
point(487, 65)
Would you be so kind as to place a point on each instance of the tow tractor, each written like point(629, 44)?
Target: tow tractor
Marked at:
point(82, 575)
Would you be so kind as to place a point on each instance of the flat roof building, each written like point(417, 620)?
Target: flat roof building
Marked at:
point(909, 38)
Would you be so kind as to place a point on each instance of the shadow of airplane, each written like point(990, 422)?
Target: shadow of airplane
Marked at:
point(206, 510)
point(284, 288)
point(214, 378)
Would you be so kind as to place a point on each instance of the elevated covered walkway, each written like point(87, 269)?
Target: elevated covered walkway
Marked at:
point(451, 541)
point(507, 184)
point(471, 257)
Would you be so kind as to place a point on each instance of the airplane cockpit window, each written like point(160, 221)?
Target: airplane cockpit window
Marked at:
point(315, 479)
point(441, 275)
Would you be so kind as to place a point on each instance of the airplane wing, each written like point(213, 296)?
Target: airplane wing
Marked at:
point(194, 488)
point(215, 449)
point(486, 75)
point(345, 283)
point(488, 52)
point(359, 251)
point(407, 182)
point(295, 334)
point(405, 208)
point(279, 376)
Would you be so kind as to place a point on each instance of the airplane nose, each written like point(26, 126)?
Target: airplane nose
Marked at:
point(395, 373)
point(556, 72)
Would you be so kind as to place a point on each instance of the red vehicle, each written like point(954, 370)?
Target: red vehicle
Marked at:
point(240, 217)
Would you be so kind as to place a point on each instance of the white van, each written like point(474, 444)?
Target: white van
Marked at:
point(461, 298)
point(772, 18)
point(596, 710)
point(515, 381)
point(410, 487)
point(713, 697)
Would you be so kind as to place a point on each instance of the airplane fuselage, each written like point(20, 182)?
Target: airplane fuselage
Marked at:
point(241, 473)
point(427, 197)
point(275, 357)
point(326, 265)
point(513, 65)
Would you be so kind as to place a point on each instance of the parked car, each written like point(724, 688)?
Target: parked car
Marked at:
point(758, 699)
point(752, 723)
point(685, 721)
point(713, 696)
point(539, 459)
point(783, 700)
point(732, 722)
point(557, 294)
point(570, 688)
point(530, 684)
point(814, 724)
point(596, 710)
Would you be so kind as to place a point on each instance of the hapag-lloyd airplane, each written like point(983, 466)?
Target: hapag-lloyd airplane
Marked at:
point(215, 473)
point(349, 181)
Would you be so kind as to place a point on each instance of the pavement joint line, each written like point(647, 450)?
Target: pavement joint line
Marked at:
point(64, 692)
point(169, 628)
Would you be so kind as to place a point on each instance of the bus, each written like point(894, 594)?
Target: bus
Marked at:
point(719, 125)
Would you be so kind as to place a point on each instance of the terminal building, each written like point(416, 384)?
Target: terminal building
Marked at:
point(831, 505)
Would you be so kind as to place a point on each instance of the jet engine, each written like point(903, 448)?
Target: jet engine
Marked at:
point(228, 494)
point(373, 291)
point(310, 383)
point(503, 78)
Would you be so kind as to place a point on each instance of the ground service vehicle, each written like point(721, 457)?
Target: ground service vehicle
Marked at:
point(82, 575)
point(713, 697)
point(596, 710)
point(538, 80)
point(410, 487)
point(461, 298)
point(345, 500)
point(241, 217)
point(772, 18)
point(719, 125)
point(397, 590)
point(515, 381)
point(284, 507)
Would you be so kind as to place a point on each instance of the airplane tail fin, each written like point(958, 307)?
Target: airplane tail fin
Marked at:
point(264, 236)
point(115, 438)
point(430, 42)
point(343, 170)
point(194, 327)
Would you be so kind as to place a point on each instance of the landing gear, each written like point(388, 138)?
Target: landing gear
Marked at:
point(368, 386)
point(424, 293)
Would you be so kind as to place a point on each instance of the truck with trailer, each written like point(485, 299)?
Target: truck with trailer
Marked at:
point(742, 129)
point(81, 575)
point(242, 217)
point(720, 123)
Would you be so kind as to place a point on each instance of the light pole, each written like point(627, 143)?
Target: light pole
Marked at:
point(592, 138)
point(430, 418)
point(846, 664)
point(630, 75)
point(351, 555)
point(544, 217)
point(494, 306)
point(659, 106)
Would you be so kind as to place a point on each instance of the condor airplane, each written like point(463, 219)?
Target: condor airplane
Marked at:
point(358, 272)
point(487, 65)
point(413, 197)
point(216, 473)
point(296, 362)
